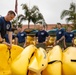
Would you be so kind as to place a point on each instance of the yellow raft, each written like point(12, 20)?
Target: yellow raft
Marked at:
point(39, 61)
point(7, 56)
point(54, 62)
point(69, 61)
point(20, 64)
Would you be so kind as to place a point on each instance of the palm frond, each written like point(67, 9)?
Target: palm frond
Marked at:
point(24, 7)
point(72, 7)
point(69, 19)
point(34, 8)
point(65, 13)
point(22, 19)
point(20, 16)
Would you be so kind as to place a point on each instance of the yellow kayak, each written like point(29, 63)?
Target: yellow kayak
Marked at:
point(39, 61)
point(69, 61)
point(54, 62)
point(20, 64)
point(7, 56)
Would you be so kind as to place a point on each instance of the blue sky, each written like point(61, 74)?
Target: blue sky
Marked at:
point(51, 9)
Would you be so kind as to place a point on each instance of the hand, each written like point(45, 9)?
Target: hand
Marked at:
point(44, 42)
point(9, 45)
point(54, 43)
point(57, 42)
point(36, 42)
point(24, 46)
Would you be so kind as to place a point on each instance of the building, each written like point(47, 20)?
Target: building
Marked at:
point(49, 26)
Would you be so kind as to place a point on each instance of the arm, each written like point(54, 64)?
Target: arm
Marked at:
point(64, 42)
point(25, 42)
point(16, 40)
point(10, 37)
point(1, 40)
point(73, 39)
point(61, 38)
point(47, 39)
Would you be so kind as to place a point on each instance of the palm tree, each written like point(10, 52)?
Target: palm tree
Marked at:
point(71, 13)
point(15, 23)
point(37, 18)
point(28, 13)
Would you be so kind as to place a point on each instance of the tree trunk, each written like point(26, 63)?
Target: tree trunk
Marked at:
point(34, 26)
point(28, 24)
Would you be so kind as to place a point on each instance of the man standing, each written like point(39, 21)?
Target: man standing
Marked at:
point(68, 37)
point(41, 37)
point(59, 36)
point(5, 26)
point(21, 37)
